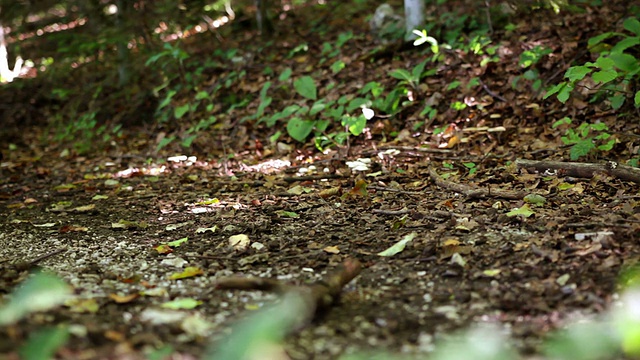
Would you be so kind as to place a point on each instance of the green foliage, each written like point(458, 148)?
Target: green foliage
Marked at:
point(586, 138)
point(410, 78)
point(332, 50)
point(197, 105)
point(615, 69)
point(528, 60)
point(330, 122)
point(260, 331)
point(39, 293)
point(44, 343)
point(473, 168)
point(78, 124)
point(306, 87)
point(481, 45)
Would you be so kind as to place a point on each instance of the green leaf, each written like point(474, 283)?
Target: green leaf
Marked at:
point(524, 211)
point(180, 111)
point(599, 126)
point(179, 304)
point(177, 243)
point(306, 87)
point(555, 89)
point(604, 63)
point(186, 142)
point(401, 74)
point(604, 76)
point(356, 124)
point(39, 293)
point(564, 121)
point(337, 66)
point(290, 110)
point(534, 199)
point(576, 73)
point(564, 93)
point(636, 99)
point(256, 333)
point(600, 38)
point(418, 70)
point(617, 101)
point(581, 148)
point(317, 107)
point(608, 146)
point(374, 87)
point(288, 214)
point(624, 44)
point(164, 142)
point(263, 105)
point(625, 62)
point(357, 103)
point(44, 343)
point(322, 125)
point(399, 246)
point(299, 129)
point(265, 88)
point(285, 75)
point(632, 24)
point(202, 95)
point(454, 84)
point(167, 100)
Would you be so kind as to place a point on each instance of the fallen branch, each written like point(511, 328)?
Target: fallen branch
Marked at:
point(583, 170)
point(402, 211)
point(419, 149)
point(317, 297)
point(473, 192)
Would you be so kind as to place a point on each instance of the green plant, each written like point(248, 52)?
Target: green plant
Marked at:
point(201, 105)
point(586, 138)
point(81, 127)
point(412, 79)
point(614, 70)
point(480, 45)
point(332, 49)
point(472, 167)
point(528, 60)
point(317, 117)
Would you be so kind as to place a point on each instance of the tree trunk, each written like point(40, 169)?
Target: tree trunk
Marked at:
point(414, 17)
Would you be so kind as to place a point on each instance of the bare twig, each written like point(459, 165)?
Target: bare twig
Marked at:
point(486, 88)
point(381, 188)
point(391, 212)
point(312, 177)
point(475, 193)
point(420, 149)
point(316, 297)
point(583, 170)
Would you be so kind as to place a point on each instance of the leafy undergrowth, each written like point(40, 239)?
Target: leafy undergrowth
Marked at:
point(314, 149)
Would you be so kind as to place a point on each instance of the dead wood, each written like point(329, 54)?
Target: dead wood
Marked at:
point(474, 192)
point(583, 170)
point(316, 297)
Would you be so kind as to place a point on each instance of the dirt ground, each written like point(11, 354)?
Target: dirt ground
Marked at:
point(529, 274)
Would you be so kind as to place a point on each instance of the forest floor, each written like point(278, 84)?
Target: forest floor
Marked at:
point(481, 249)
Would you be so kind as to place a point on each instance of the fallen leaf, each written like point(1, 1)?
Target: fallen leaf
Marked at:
point(239, 242)
point(399, 246)
point(190, 271)
point(123, 299)
point(332, 250)
point(178, 304)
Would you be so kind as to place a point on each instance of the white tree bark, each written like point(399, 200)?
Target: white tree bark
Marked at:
point(414, 17)
point(7, 74)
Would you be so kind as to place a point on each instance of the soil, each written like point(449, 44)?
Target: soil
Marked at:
point(510, 272)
